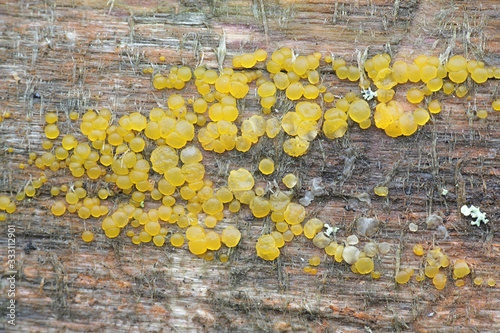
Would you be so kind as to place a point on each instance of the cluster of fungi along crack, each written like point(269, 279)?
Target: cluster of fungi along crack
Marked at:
point(155, 159)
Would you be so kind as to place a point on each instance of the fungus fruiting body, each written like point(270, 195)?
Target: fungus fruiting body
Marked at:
point(156, 159)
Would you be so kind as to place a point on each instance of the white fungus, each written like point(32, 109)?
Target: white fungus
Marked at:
point(384, 248)
point(350, 254)
point(352, 240)
point(475, 213)
point(367, 226)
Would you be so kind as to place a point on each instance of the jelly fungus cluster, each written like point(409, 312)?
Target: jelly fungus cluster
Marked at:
point(298, 79)
point(435, 265)
point(155, 159)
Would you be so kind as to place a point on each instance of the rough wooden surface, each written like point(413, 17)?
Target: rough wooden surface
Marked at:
point(90, 54)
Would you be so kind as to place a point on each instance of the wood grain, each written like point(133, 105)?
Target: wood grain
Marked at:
point(83, 54)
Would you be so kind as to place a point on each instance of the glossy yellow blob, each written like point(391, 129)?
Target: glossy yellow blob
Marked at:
point(461, 269)
point(478, 281)
point(231, 236)
point(294, 213)
point(266, 247)
point(439, 281)
point(266, 166)
point(421, 116)
point(381, 191)
point(177, 240)
point(312, 227)
point(240, 180)
point(407, 124)
point(418, 249)
point(456, 63)
point(87, 236)
point(58, 208)
point(496, 105)
point(402, 277)
point(290, 180)
point(431, 271)
point(434, 106)
point(481, 114)
point(294, 91)
point(260, 207)
point(364, 265)
point(359, 110)
point(314, 261)
point(435, 84)
point(51, 131)
point(415, 96)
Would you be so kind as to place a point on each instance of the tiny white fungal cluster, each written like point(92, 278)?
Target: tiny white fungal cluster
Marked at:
point(475, 213)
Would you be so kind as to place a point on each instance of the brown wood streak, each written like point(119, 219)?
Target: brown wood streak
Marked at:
point(90, 54)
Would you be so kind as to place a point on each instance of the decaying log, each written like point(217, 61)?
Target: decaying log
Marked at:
point(74, 55)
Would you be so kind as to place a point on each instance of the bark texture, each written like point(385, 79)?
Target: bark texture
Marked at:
point(75, 55)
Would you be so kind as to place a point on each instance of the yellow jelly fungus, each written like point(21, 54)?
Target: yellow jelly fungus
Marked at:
point(294, 213)
point(314, 261)
point(73, 115)
point(288, 236)
point(491, 282)
point(51, 131)
point(359, 110)
point(87, 236)
point(240, 180)
point(123, 153)
point(434, 106)
point(290, 180)
point(381, 191)
point(444, 261)
point(266, 166)
point(402, 277)
point(421, 116)
point(58, 208)
point(296, 229)
point(461, 269)
point(461, 91)
point(364, 265)
point(331, 248)
point(4, 202)
point(296, 146)
point(260, 55)
point(439, 281)
point(231, 236)
point(496, 105)
point(418, 249)
point(177, 240)
point(198, 246)
point(415, 96)
point(312, 227)
point(431, 271)
point(481, 114)
point(260, 207)
point(266, 247)
point(294, 91)
point(260, 191)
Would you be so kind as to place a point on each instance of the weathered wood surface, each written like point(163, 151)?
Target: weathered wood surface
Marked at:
point(90, 54)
